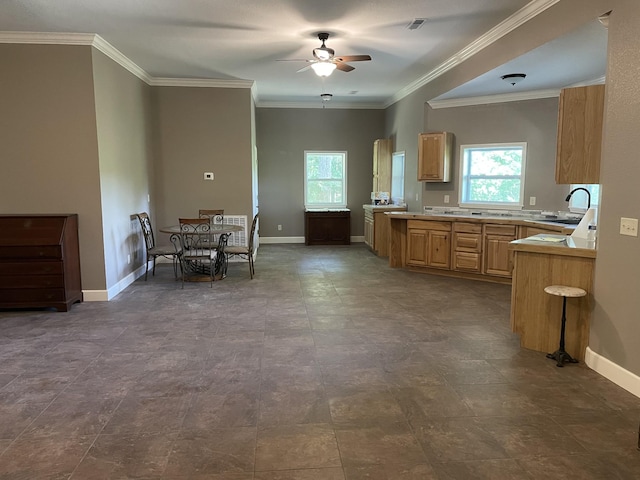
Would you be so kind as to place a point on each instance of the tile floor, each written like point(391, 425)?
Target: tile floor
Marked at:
point(327, 366)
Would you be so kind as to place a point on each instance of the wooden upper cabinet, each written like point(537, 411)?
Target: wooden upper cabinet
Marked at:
point(382, 165)
point(579, 146)
point(434, 156)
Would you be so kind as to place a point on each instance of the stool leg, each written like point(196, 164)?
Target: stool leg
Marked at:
point(560, 355)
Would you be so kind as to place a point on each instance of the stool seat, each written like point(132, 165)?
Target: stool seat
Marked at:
point(564, 291)
point(560, 355)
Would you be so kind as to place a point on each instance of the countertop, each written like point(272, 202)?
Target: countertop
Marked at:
point(484, 218)
point(385, 208)
point(555, 245)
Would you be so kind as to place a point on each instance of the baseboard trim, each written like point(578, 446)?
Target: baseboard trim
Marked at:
point(612, 371)
point(354, 239)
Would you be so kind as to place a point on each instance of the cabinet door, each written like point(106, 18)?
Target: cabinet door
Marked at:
point(579, 142)
point(417, 241)
point(434, 156)
point(439, 249)
point(382, 165)
point(368, 230)
point(498, 259)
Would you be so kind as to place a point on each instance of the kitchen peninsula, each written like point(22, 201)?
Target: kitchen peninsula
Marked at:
point(545, 260)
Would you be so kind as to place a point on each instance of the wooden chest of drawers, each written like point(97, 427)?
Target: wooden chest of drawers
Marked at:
point(39, 261)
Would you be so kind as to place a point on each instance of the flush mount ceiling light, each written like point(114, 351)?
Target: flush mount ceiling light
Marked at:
point(513, 78)
point(323, 69)
point(326, 97)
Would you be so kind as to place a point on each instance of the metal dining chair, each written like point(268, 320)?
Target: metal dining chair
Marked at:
point(245, 251)
point(198, 258)
point(152, 250)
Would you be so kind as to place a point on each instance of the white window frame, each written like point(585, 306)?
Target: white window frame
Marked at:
point(397, 177)
point(344, 179)
point(463, 178)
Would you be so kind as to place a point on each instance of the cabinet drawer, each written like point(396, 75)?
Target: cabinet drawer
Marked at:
point(31, 295)
point(28, 251)
point(466, 261)
point(467, 227)
point(467, 242)
point(31, 268)
point(491, 229)
point(32, 281)
point(429, 225)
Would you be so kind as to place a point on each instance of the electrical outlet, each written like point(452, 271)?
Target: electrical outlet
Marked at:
point(446, 199)
point(416, 197)
point(148, 198)
point(208, 175)
point(532, 201)
point(279, 227)
point(629, 226)
point(128, 259)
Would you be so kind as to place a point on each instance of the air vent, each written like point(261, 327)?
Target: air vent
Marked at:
point(416, 23)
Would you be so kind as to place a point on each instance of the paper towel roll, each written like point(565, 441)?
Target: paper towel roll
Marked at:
point(583, 227)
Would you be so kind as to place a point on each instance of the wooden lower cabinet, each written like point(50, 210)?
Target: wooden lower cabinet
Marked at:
point(498, 258)
point(327, 227)
point(368, 229)
point(467, 247)
point(429, 244)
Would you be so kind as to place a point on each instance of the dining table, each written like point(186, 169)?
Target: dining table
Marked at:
point(217, 230)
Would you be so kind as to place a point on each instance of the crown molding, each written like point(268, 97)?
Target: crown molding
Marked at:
point(199, 82)
point(487, 99)
point(47, 38)
point(332, 105)
point(520, 17)
point(120, 58)
point(586, 83)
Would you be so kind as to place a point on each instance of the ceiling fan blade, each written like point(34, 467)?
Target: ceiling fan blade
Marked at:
point(294, 60)
point(353, 58)
point(344, 67)
point(304, 69)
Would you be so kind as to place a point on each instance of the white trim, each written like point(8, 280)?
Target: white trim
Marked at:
point(95, 296)
point(276, 240)
point(314, 104)
point(586, 83)
point(47, 38)
point(520, 17)
point(344, 179)
point(488, 99)
point(612, 371)
point(267, 240)
point(200, 82)
point(117, 56)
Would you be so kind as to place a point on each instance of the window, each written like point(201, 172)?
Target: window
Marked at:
point(492, 175)
point(397, 178)
point(580, 199)
point(325, 175)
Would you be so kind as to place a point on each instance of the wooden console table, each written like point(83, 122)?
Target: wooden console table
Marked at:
point(327, 227)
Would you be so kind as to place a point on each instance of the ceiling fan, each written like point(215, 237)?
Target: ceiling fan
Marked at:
point(325, 61)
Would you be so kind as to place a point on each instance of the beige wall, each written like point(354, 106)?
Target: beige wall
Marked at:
point(283, 136)
point(615, 332)
point(202, 130)
point(123, 121)
point(48, 142)
point(532, 121)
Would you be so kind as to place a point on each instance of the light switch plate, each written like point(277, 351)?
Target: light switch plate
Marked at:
point(629, 226)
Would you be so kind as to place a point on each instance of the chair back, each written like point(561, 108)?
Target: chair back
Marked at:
point(252, 234)
point(147, 230)
point(214, 216)
point(195, 237)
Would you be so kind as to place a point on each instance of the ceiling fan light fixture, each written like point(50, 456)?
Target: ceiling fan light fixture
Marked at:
point(513, 78)
point(326, 97)
point(323, 69)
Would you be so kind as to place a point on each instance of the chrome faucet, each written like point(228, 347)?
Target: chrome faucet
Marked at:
point(575, 190)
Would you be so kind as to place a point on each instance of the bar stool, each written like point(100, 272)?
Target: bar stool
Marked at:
point(560, 355)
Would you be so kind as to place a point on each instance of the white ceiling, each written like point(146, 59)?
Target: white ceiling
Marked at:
point(244, 39)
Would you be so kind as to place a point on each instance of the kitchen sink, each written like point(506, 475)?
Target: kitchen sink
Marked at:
point(565, 221)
